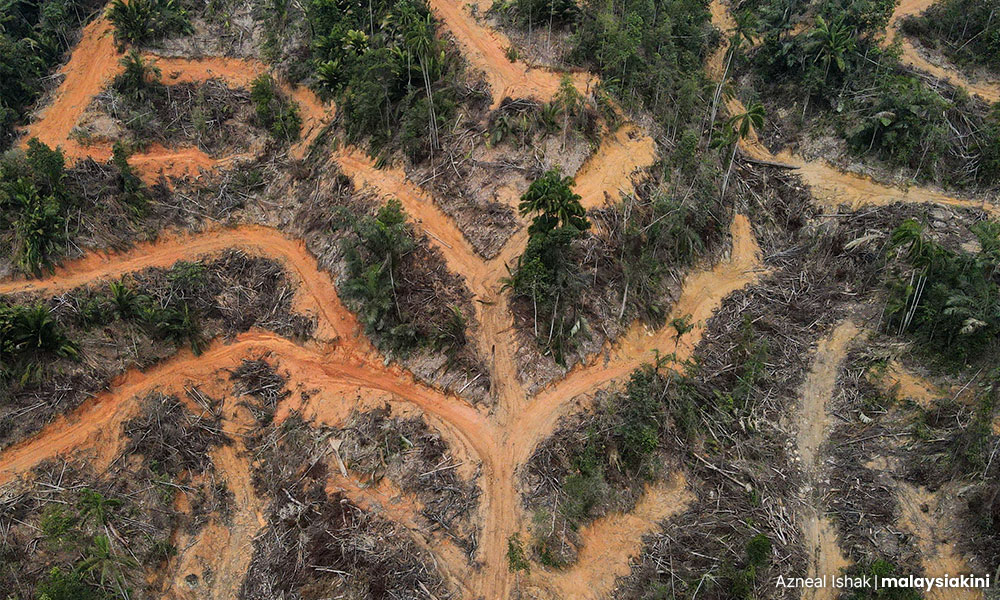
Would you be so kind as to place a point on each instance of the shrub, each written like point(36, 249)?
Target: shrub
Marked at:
point(946, 299)
point(139, 22)
point(68, 586)
point(275, 113)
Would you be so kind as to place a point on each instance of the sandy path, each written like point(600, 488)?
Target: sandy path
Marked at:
point(701, 295)
point(501, 443)
point(814, 420)
point(92, 65)
point(937, 549)
point(501, 440)
point(818, 390)
point(486, 49)
point(610, 543)
point(914, 56)
point(608, 172)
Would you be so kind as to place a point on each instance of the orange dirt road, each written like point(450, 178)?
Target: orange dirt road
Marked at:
point(501, 440)
point(486, 49)
point(92, 65)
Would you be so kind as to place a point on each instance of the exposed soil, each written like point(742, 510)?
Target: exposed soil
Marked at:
point(499, 440)
point(814, 421)
point(830, 186)
point(486, 49)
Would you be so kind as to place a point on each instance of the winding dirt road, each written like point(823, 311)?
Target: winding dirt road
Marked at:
point(501, 440)
point(486, 49)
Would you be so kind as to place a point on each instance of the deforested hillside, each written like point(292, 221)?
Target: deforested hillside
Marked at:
point(533, 299)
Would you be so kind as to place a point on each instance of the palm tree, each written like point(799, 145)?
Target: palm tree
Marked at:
point(127, 302)
point(552, 197)
point(93, 505)
point(139, 77)
point(420, 40)
point(39, 227)
point(830, 41)
point(737, 128)
point(34, 329)
point(103, 565)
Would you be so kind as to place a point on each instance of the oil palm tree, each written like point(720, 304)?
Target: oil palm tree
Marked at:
point(103, 566)
point(420, 41)
point(830, 42)
point(95, 506)
point(35, 330)
point(551, 196)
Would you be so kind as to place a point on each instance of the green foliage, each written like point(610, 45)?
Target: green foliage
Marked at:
point(650, 238)
point(57, 524)
point(546, 272)
point(387, 70)
point(140, 22)
point(133, 191)
point(839, 67)
point(947, 299)
point(102, 566)
point(176, 323)
point(39, 231)
point(34, 36)
point(139, 80)
point(877, 569)
point(758, 556)
point(95, 507)
point(966, 31)
point(276, 113)
point(128, 303)
point(516, 558)
point(649, 54)
point(372, 273)
point(29, 336)
point(552, 198)
point(618, 448)
point(69, 585)
point(33, 206)
point(532, 14)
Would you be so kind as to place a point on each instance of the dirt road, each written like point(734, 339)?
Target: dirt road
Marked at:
point(501, 440)
point(813, 423)
point(487, 48)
